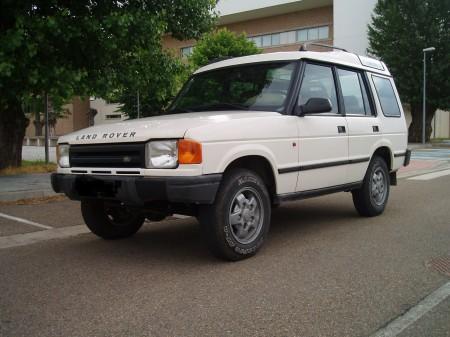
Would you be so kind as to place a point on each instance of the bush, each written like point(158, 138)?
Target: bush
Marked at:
point(219, 44)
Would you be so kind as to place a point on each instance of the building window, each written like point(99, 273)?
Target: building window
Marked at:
point(275, 39)
point(186, 51)
point(323, 32)
point(313, 34)
point(292, 36)
point(266, 40)
point(288, 37)
point(258, 41)
point(302, 35)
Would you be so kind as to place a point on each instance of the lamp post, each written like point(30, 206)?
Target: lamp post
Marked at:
point(46, 127)
point(425, 51)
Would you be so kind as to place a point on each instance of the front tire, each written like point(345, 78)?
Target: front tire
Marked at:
point(371, 199)
point(237, 224)
point(110, 221)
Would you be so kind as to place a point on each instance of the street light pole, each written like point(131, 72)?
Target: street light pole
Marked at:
point(430, 49)
point(46, 127)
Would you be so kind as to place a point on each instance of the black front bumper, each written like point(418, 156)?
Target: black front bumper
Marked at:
point(135, 190)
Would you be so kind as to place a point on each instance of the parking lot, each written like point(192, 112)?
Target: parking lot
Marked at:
point(324, 271)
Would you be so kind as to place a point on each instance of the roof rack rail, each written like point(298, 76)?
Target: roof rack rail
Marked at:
point(304, 47)
point(220, 58)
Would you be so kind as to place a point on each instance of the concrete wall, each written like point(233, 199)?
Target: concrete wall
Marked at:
point(351, 18)
point(441, 120)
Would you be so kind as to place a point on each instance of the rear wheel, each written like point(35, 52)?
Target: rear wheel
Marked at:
point(372, 197)
point(236, 225)
point(110, 221)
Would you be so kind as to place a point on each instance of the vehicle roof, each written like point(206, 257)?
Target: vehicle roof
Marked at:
point(335, 57)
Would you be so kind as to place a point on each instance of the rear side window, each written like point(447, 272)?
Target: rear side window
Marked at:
point(386, 96)
point(354, 92)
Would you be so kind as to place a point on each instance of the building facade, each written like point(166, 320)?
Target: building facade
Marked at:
point(284, 25)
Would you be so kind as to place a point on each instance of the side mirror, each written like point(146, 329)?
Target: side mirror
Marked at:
point(314, 105)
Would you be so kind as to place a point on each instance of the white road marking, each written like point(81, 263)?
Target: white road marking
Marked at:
point(29, 238)
point(432, 175)
point(25, 221)
point(415, 313)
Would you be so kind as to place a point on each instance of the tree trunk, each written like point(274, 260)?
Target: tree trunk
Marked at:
point(415, 129)
point(12, 130)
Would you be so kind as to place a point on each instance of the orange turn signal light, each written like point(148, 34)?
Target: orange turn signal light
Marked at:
point(189, 151)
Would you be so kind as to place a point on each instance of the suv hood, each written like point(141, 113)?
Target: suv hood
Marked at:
point(144, 129)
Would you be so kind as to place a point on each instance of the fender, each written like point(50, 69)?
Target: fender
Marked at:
point(239, 151)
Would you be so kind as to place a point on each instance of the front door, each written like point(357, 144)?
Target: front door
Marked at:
point(323, 139)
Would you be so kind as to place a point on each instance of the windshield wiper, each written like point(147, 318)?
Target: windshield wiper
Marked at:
point(219, 106)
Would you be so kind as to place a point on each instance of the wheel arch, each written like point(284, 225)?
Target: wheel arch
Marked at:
point(384, 152)
point(261, 166)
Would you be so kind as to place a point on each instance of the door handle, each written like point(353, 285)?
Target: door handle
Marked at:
point(341, 129)
point(375, 128)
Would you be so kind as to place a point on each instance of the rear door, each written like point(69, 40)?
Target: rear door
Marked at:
point(323, 140)
point(364, 127)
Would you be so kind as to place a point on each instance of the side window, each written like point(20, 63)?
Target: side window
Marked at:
point(386, 96)
point(318, 82)
point(356, 101)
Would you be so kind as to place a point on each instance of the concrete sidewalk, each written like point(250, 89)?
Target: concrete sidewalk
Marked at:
point(25, 186)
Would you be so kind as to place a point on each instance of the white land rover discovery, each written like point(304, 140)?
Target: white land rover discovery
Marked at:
point(243, 135)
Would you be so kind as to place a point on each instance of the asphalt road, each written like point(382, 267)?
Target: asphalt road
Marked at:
point(324, 271)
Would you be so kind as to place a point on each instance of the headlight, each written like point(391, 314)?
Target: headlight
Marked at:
point(62, 154)
point(161, 154)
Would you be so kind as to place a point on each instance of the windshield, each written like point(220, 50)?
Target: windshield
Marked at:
point(251, 87)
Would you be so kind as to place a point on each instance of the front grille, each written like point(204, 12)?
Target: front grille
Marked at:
point(108, 155)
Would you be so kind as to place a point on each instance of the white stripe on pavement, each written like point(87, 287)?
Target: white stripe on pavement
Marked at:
point(433, 175)
point(29, 238)
point(412, 315)
point(25, 221)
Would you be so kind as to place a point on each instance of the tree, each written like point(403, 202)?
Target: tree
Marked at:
point(219, 44)
point(156, 90)
point(212, 45)
point(400, 29)
point(83, 48)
